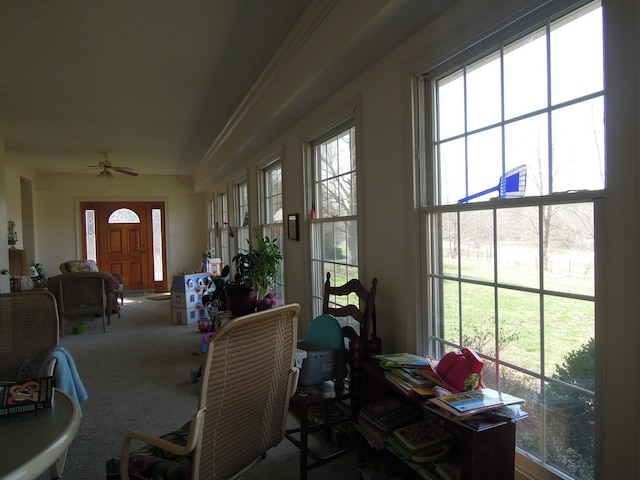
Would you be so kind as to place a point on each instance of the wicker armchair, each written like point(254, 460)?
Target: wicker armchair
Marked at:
point(72, 266)
point(28, 328)
point(248, 377)
point(83, 294)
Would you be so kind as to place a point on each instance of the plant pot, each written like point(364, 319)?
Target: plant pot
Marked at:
point(241, 300)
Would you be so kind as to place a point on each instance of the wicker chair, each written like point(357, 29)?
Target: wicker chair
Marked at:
point(83, 294)
point(28, 328)
point(72, 266)
point(248, 377)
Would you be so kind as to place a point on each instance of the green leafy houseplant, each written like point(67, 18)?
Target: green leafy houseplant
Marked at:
point(257, 266)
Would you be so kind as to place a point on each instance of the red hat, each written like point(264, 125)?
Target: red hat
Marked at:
point(458, 367)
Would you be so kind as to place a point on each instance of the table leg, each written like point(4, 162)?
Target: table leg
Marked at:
point(55, 470)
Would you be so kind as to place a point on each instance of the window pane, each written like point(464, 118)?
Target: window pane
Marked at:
point(570, 431)
point(518, 246)
point(576, 57)
point(156, 217)
point(336, 181)
point(578, 146)
point(568, 248)
point(568, 324)
point(273, 194)
point(476, 245)
point(452, 168)
point(450, 101)
point(526, 143)
point(124, 215)
point(90, 229)
point(449, 228)
point(478, 314)
point(450, 312)
point(484, 101)
point(527, 387)
point(519, 328)
point(485, 162)
point(525, 75)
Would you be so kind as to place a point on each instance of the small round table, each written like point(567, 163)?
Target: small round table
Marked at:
point(35, 442)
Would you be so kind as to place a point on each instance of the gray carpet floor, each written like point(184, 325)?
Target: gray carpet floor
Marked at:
point(138, 377)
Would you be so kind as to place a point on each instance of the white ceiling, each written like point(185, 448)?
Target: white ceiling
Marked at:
point(152, 81)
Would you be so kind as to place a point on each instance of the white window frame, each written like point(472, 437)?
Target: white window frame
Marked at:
point(271, 224)
point(323, 226)
point(432, 209)
point(223, 226)
point(241, 214)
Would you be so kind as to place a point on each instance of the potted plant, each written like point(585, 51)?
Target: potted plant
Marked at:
point(255, 271)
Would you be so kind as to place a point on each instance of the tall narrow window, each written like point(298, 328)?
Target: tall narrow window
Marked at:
point(511, 216)
point(242, 216)
point(334, 230)
point(224, 228)
point(156, 225)
point(212, 247)
point(90, 233)
point(271, 207)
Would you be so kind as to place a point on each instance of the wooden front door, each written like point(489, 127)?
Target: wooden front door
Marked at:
point(124, 235)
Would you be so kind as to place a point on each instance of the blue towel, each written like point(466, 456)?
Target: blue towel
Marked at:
point(65, 374)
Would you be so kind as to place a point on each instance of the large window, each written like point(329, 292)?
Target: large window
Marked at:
point(511, 272)
point(223, 208)
point(271, 212)
point(242, 215)
point(212, 247)
point(334, 225)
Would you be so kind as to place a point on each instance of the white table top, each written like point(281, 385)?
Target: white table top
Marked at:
point(31, 443)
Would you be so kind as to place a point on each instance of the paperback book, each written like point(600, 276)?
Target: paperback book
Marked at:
point(421, 435)
point(408, 388)
point(474, 401)
point(389, 413)
point(403, 360)
point(27, 396)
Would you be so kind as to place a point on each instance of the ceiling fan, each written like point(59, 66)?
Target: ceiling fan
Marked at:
point(107, 168)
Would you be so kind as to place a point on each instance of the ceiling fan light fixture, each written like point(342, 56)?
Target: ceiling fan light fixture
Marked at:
point(105, 173)
point(107, 168)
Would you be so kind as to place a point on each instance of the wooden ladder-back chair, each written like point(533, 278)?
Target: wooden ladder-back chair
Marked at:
point(248, 376)
point(28, 329)
point(330, 407)
point(354, 301)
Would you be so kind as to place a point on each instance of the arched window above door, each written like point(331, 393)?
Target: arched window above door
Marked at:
point(124, 215)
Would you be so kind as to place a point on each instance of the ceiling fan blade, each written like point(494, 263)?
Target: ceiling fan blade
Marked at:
point(125, 170)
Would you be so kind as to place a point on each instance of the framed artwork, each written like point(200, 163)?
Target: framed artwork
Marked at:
point(293, 229)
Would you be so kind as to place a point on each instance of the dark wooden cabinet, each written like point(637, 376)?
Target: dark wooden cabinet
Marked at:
point(489, 454)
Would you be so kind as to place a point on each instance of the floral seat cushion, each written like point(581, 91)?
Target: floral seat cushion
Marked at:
point(153, 463)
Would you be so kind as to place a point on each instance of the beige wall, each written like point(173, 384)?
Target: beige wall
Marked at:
point(58, 223)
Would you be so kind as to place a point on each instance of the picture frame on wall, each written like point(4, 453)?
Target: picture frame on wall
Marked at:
point(293, 229)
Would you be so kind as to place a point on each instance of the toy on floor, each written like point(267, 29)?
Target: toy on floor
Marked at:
point(196, 374)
